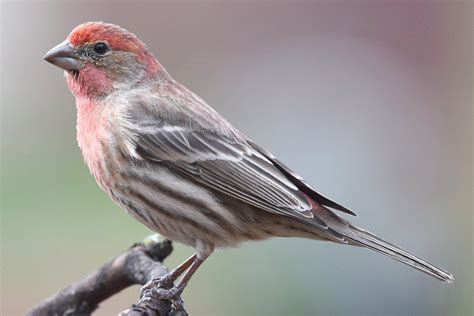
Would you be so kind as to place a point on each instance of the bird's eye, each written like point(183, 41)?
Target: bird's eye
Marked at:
point(101, 48)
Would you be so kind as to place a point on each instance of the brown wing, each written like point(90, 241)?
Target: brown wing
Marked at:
point(224, 164)
point(300, 183)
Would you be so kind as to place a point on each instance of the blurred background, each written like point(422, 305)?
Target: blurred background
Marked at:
point(371, 102)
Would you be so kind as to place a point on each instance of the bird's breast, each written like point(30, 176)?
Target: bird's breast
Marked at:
point(93, 137)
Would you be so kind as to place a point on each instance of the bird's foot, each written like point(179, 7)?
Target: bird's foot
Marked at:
point(165, 281)
point(163, 289)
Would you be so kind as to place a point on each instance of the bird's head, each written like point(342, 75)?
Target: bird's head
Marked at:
point(100, 58)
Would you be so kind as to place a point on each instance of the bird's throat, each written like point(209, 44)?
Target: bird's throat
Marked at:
point(90, 82)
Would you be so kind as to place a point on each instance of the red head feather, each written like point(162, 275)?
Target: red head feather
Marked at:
point(118, 39)
point(115, 36)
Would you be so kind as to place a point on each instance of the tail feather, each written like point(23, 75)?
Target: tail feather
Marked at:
point(338, 227)
point(370, 241)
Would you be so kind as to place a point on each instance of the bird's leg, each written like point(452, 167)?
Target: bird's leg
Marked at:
point(163, 287)
point(168, 279)
point(174, 292)
point(187, 276)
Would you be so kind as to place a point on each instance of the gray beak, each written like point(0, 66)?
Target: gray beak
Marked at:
point(63, 56)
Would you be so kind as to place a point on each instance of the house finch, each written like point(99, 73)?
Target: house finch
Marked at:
point(177, 166)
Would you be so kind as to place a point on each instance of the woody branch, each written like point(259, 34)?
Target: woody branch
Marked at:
point(138, 265)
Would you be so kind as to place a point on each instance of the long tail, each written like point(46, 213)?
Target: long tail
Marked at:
point(369, 240)
point(329, 226)
point(343, 231)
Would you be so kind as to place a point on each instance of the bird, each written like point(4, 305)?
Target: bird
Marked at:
point(173, 163)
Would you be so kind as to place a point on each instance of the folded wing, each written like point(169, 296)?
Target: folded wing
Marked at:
point(231, 165)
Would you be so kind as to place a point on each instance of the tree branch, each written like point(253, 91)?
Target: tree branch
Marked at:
point(138, 265)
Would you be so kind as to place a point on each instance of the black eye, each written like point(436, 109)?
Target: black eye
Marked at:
point(101, 48)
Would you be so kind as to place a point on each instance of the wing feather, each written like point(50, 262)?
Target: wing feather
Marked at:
point(223, 161)
point(228, 165)
point(300, 183)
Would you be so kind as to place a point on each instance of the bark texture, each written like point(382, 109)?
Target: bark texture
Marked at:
point(138, 265)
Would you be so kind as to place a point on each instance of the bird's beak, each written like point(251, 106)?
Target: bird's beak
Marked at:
point(64, 56)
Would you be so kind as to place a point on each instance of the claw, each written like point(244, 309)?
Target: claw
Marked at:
point(178, 304)
point(171, 294)
point(163, 289)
